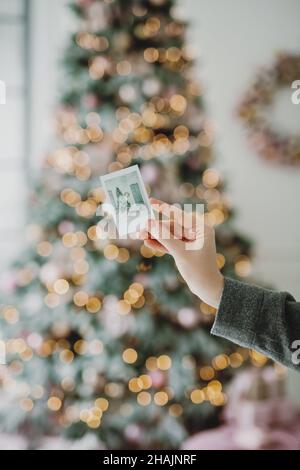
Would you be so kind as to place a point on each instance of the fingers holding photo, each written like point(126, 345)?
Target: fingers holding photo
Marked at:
point(187, 223)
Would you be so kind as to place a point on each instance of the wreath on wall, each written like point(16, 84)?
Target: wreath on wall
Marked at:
point(267, 141)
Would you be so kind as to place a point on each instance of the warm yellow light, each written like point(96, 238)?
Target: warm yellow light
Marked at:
point(70, 197)
point(93, 422)
point(66, 356)
point(173, 54)
point(84, 415)
point(161, 398)
point(210, 178)
point(151, 364)
point(26, 404)
point(92, 233)
point(146, 252)
point(152, 26)
point(130, 356)
point(144, 398)
point(95, 134)
point(44, 248)
point(139, 288)
point(140, 302)
point(102, 404)
point(100, 43)
point(135, 385)
point(123, 255)
point(81, 266)
point(181, 132)
point(243, 266)
point(61, 286)
point(236, 360)
point(96, 412)
point(220, 260)
point(258, 359)
point(27, 354)
point(164, 362)
point(175, 410)
point(131, 296)
point(206, 373)
point(207, 309)
point(197, 396)
point(80, 347)
point(97, 67)
point(93, 305)
point(178, 103)
point(111, 252)
point(151, 54)
point(80, 298)
point(69, 239)
point(124, 68)
point(10, 314)
point(220, 362)
point(214, 387)
point(68, 384)
point(219, 400)
point(124, 307)
point(54, 403)
point(146, 381)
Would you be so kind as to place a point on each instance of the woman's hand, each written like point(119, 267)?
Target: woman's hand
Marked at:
point(191, 242)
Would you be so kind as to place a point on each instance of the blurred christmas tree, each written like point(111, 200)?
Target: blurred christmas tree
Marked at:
point(104, 337)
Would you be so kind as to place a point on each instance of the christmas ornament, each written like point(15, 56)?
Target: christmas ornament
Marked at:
point(271, 144)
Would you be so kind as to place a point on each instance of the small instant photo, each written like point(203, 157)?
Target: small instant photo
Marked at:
point(128, 200)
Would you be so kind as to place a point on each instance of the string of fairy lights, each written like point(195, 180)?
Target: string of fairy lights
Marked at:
point(137, 134)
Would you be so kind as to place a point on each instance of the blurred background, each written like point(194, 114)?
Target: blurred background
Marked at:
point(232, 43)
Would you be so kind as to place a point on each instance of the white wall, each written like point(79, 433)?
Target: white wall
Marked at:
point(51, 22)
point(12, 127)
point(233, 39)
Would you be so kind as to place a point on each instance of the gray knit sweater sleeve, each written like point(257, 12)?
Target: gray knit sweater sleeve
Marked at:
point(260, 319)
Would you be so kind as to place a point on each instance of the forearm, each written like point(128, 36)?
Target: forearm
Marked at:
point(261, 319)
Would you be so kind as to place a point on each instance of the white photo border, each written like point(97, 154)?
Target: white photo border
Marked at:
point(120, 173)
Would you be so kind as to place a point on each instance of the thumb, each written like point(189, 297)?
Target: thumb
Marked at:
point(161, 230)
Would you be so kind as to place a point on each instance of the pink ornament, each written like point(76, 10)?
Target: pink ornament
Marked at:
point(65, 226)
point(258, 416)
point(188, 317)
point(158, 378)
point(90, 101)
point(133, 433)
